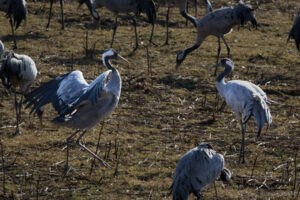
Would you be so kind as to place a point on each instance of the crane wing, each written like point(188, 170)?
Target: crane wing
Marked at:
point(61, 92)
point(92, 93)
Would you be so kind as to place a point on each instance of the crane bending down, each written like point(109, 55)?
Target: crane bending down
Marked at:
point(295, 31)
point(18, 70)
point(80, 105)
point(182, 5)
point(88, 3)
point(218, 23)
point(16, 11)
point(244, 98)
point(196, 169)
point(129, 6)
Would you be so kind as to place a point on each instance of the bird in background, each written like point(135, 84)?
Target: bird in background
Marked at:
point(80, 105)
point(295, 31)
point(16, 11)
point(218, 23)
point(18, 71)
point(199, 167)
point(89, 4)
point(182, 5)
point(245, 99)
point(128, 6)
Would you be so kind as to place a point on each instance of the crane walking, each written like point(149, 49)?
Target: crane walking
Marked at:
point(218, 23)
point(18, 71)
point(129, 6)
point(80, 105)
point(196, 169)
point(295, 31)
point(244, 98)
point(16, 11)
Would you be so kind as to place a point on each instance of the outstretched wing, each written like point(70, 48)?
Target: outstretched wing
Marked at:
point(92, 93)
point(61, 92)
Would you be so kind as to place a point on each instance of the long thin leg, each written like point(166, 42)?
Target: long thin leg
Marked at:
point(17, 116)
point(62, 14)
point(114, 31)
point(242, 151)
point(105, 164)
point(50, 13)
point(13, 31)
point(218, 55)
point(216, 190)
point(67, 157)
point(19, 108)
point(136, 35)
point(227, 46)
point(167, 20)
point(196, 8)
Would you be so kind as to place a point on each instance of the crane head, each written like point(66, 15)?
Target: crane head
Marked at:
point(226, 62)
point(225, 175)
point(112, 54)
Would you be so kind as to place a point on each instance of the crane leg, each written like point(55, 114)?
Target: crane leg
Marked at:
point(13, 32)
point(105, 164)
point(167, 20)
point(242, 151)
point(67, 157)
point(196, 8)
point(227, 46)
point(136, 35)
point(114, 31)
point(50, 13)
point(216, 190)
point(17, 114)
point(62, 14)
point(218, 55)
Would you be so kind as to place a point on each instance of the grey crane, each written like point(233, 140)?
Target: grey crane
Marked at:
point(218, 23)
point(16, 11)
point(182, 5)
point(88, 3)
point(129, 6)
point(80, 105)
point(295, 31)
point(244, 98)
point(196, 169)
point(18, 71)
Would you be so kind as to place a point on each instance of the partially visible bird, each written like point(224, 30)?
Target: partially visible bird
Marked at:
point(196, 169)
point(18, 71)
point(244, 98)
point(80, 105)
point(129, 6)
point(16, 11)
point(295, 31)
point(1, 49)
point(88, 3)
point(218, 23)
point(182, 5)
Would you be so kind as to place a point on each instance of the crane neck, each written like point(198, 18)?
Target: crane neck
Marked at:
point(228, 69)
point(107, 63)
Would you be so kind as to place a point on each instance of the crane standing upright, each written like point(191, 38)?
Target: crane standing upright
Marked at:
point(244, 97)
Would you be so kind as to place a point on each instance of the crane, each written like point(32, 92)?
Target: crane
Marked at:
point(244, 98)
point(218, 23)
point(129, 6)
point(16, 11)
point(295, 31)
point(196, 169)
point(88, 3)
point(80, 105)
point(18, 71)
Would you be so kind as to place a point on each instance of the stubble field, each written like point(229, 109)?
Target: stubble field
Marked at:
point(162, 112)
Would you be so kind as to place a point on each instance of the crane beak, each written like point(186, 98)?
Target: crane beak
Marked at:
point(122, 58)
